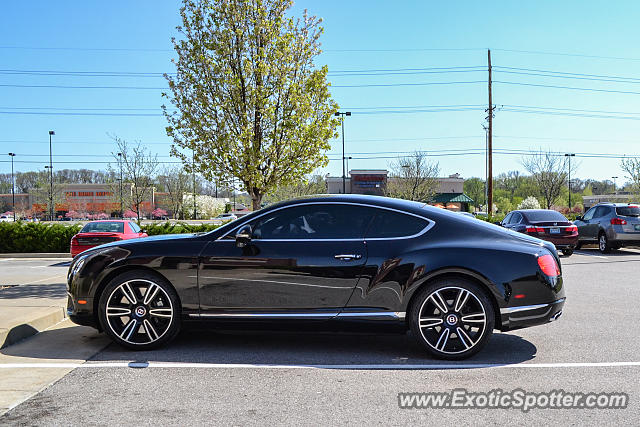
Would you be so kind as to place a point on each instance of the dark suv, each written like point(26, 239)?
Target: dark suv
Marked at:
point(610, 225)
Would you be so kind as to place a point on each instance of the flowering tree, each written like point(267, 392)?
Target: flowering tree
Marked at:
point(130, 214)
point(529, 203)
point(160, 213)
point(207, 206)
point(74, 215)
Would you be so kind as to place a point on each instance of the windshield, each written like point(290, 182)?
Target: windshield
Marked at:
point(544, 216)
point(628, 211)
point(103, 227)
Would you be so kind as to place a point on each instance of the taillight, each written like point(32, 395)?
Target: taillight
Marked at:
point(618, 221)
point(548, 265)
point(535, 230)
point(572, 229)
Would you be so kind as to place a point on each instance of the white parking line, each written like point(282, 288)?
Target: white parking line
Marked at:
point(433, 366)
point(588, 254)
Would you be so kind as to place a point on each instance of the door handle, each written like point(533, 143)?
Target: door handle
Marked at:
point(347, 257)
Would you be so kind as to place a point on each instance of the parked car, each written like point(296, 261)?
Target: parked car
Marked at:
point(325, 262)
point(610, 225)
point(544, 224)
point(6, 218)
point(466, 214)
point(97, 233)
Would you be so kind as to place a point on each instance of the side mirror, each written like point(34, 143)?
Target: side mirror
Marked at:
point(243, 236)
point(143, 231)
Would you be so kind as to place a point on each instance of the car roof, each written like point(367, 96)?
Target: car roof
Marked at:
point(617, 205)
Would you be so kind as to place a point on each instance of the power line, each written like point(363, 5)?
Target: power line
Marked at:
point(536, 70)
point(568, 87)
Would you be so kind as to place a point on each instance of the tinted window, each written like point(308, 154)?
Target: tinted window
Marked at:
point(628, 211)
point(589, 214)
point(516, 218)
point(314, 222)
point(134, 227)
point(545, 216)
point(601, 211)
point(395, 224)
point(103, 227)
point(507, 218)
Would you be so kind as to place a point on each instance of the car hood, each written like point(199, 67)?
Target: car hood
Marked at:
point(124, 243)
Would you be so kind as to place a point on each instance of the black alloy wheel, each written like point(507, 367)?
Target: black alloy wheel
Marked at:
point(452, 318)
point(140, 310)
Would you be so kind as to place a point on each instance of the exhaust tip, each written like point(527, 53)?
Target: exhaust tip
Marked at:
point(556, 316)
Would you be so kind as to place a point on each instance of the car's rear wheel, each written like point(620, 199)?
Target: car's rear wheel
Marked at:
point(567, 252)
point(603, 243)
point(578, 246)
point(140, 310)
point(452, 318)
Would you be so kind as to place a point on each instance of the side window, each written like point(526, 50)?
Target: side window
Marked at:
point(601, 211)
point(507, 218)
point(314, 221)
point(516, 218)
point(589, 214)
point(134, 227)
point(395, 224)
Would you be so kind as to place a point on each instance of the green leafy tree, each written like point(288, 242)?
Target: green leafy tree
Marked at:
point(314, 184)
point(474, 188)
point(247, 95)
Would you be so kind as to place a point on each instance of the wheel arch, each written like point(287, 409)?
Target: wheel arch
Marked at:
point(117, 272)
point(459, 273)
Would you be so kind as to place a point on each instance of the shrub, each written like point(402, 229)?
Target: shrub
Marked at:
point(177, 228)
point(35, 237)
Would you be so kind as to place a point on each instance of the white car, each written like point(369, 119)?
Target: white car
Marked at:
point(226, 217)
point(5, 218)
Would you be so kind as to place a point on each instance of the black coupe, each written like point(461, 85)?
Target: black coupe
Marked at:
point(325, 261)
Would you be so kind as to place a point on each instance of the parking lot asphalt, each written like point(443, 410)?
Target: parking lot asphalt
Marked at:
point(209, 377)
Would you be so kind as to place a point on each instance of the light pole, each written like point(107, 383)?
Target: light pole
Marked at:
point(51, 133)
point(121, 199)
point(347, 159)
point(13, 189)
point(344, 178)
point(614, 184)
point(569, 155)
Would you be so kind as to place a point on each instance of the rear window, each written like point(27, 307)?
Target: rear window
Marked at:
point(395, 224)
point(545, 216)
point(103, 227)
point(628, 211)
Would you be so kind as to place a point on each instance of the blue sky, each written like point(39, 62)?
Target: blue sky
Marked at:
point(589, 41)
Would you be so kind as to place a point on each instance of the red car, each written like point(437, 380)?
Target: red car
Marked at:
point(544, 224)
point(96, 233)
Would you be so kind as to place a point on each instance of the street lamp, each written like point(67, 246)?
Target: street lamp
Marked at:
point(13, 189)
point(569, 155)
point(121, 200)
point(344, 178)
point(614, 184)
point(51, 133)
point(347, 159)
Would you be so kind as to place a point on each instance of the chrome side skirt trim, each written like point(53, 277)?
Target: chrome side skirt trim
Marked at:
point(508, 310)
point(399, 315)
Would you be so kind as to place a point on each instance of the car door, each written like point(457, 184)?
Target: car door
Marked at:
point(584, 230)
point(302, 260)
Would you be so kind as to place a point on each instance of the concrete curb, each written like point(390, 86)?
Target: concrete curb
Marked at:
point(37, 255)
point(13, 334)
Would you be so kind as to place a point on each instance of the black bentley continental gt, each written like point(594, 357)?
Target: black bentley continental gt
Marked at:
point(327, 261)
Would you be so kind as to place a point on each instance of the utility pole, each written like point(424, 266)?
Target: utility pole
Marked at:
point(193, 173)
point(490, 146)
point(344, 177)
point(13, 188)
point(121, 199)
point(569, 156)
point(51, 133)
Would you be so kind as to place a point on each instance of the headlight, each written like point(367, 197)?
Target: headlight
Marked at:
point(75, 267)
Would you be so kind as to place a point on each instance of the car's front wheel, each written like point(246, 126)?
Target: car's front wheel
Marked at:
point(452, 318)
point(140, 310)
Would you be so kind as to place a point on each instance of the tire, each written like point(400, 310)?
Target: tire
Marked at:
point(436, 329)
point(140, 310)
point(578, 246)
point(603, 243)
point(567, 252)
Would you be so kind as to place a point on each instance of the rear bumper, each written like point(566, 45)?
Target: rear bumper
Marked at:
point(562, 242)
point(76, 249)
point(531, 315)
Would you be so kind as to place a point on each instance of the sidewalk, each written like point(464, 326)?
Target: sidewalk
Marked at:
point(33, 297)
